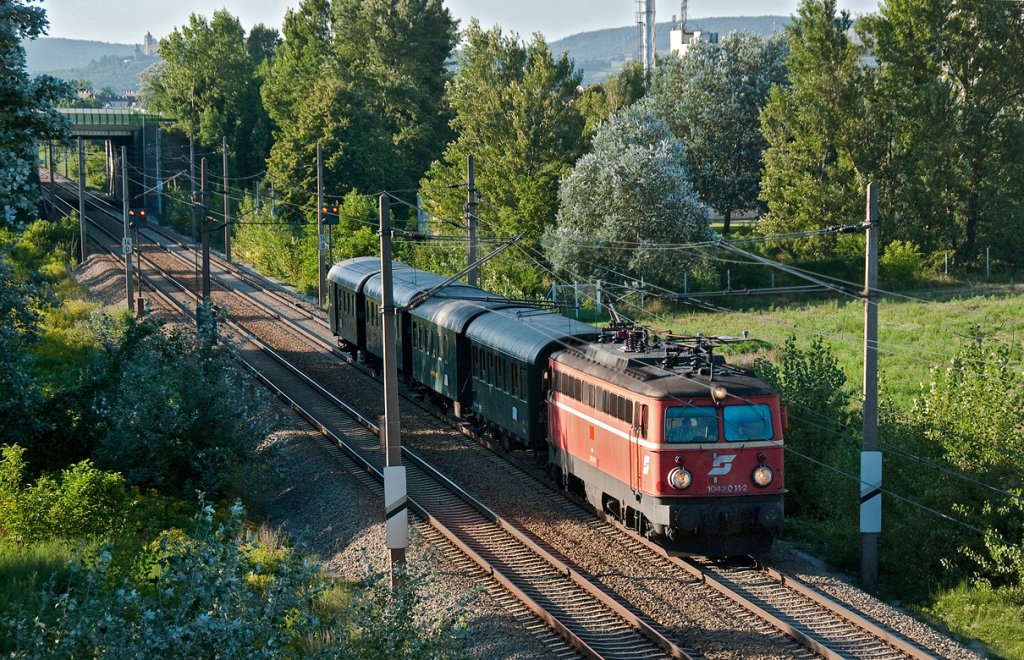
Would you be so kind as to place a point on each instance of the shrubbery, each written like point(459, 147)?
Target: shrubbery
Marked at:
point(901, 263)
point(179, 415)
point(813, 386)
point(82, 502)
point(221, 591)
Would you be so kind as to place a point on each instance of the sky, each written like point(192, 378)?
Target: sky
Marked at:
point(126, 21)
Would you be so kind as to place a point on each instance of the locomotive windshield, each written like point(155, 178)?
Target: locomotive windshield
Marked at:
point(691, 424)
point(700, 423)
point(748, 422)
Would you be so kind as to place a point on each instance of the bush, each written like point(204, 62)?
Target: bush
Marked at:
point(221, 591)
point(811, 384)
point(199, 595)
point(83, 502)
point(901, 262)
point(178, 415)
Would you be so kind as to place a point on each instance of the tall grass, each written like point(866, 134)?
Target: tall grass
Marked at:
point(915, 335)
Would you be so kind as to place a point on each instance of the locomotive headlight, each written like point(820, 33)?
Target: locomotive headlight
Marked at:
point(762, 475)
point(679, 478)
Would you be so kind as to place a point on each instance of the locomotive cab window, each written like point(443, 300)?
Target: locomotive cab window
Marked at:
point(750, 422)
point(691, 424)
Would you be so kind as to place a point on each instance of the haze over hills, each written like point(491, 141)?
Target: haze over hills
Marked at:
point(48, 54)
point(599, 53)
point(603, 52)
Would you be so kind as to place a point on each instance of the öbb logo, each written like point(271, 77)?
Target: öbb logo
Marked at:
point(721, 465)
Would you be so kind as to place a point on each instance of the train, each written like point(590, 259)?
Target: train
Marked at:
point(658, 431)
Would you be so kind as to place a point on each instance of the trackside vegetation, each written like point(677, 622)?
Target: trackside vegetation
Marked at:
point(112, 427)
point(950, 428)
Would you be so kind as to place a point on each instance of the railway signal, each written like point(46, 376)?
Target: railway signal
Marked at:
point(136, 215)
point(329, 214)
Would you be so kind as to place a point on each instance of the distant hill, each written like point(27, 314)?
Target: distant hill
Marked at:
point(603, 52)
point(599, 53)
point(121, 74)
point(48, 54)
point(105, 65)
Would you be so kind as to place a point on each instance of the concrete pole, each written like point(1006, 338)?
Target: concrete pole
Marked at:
point(471, 220)
point(395, 511)
point(159, 179)
point(192, 183)
point(227, 204)
point(206, 231)
point(321, 264)
point(83, 230)
point(871, 456)
point(126, 244)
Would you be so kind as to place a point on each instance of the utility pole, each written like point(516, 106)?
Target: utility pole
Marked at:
point(81, 197)
point(227, 204)
point(395, 494)
point(322, 274)
point(192, 182)
point(870, 457)
point(471, 221)
point(206, 232)
point(159, 179)
point(126, 241)
point(140, 302)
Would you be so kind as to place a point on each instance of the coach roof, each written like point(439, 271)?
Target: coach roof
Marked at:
point(526, 332)
point(353, 273)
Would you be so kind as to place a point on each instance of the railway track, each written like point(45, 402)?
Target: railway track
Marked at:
point(589, 619)
point(818, 624)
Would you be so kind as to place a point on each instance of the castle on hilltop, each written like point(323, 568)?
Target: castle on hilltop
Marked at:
point(150, 46)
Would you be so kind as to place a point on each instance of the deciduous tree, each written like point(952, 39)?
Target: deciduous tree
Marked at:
point(951, 96)
point(209, 84)
point(624, 201)
point(514, 113)
point(28, 111)
point(713, 98)
point(815, 172)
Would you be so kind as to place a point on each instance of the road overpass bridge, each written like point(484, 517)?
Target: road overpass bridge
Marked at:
point(139, 132)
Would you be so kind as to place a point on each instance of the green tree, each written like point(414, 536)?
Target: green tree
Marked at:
point(625, 199)
point(402, 47)
point(19, 331)
point(367, 81)
point(712, 99)
point(209, 83)
point(600, 101)
point(515, 113)
point(814, 166)
point(951, 97)
point(29, 111)
point(299, 61)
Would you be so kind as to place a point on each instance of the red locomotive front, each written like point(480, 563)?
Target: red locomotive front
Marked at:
point(678, 445)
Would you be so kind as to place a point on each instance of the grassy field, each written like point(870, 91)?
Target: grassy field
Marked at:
point(917, 332)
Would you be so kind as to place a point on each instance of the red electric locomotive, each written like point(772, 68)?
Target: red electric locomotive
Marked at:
point(678, 445)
